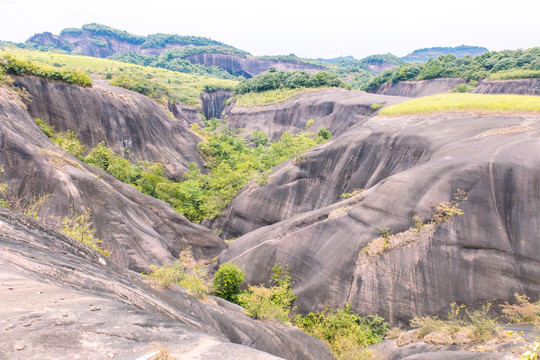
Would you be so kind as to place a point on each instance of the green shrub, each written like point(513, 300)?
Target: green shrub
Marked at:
point(457, 329)
point(324, 135)
point(80, 228)
point(166, 275)
point(259, 304)
point(19, 66)
point(273, 303)
point(347, 334)
point(289, 80)
point(492, 64)
point(47, 129)
point(228, 281)
point(70, 142)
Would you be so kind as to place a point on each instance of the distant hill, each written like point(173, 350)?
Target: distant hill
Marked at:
point(173, 52)
point(422, 55)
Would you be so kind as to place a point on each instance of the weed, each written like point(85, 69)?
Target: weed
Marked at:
point(351, 194)
point(457, 329)
point(523, 312)
point(80, 228)
point(347, 334)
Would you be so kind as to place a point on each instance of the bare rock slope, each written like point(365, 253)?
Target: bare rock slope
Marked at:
point(405, 164)
point(139, 229)
point(335, 110)
point(123, 119)
point(61, 300)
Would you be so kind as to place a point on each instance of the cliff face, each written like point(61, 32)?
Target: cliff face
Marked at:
point(405, 164)
point(418, 88)
point(140, 230)
point(105, 46)
point(437, 86)
point(60, 299)
point(250, 65)
point(333, 109)
point(123, 119)
point(518, 87)
point(212, 103)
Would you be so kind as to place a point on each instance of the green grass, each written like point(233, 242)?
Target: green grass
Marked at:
point(466, 102)
point(174, 86)
point(268, 97)
point(515, 74)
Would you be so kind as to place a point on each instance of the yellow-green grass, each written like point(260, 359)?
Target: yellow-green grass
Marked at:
point(268, 97)
point(466, 103)
point(182, 87)
point(515, 74)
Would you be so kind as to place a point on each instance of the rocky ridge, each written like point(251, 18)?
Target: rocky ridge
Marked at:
point(404, 164)
point(59, 298)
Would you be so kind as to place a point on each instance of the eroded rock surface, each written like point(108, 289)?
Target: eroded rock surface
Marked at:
point(405, 164)
point(125, 120)
point(518, 87)
point(249, 66)
point(61, 300)
point(335, 110)
point(139, 229)
point(418, 88)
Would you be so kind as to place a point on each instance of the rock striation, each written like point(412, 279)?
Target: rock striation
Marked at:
point(518, 87)
point(128, 122)
point(418, 88)
point(333, 109)
point(250, 66)
point(139, 229)
point(405, 164)
point(60, 298)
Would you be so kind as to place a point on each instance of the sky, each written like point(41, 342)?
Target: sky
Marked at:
point(312, 29)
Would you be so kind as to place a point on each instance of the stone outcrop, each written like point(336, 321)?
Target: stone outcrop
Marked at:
point(213, 103)
point(418, 88)
point(62, 300)
point(335, 110)
point(139, 229)
point(126, 121)
point(102, 46)
point(517, 87)
point(249, 66)
point(404, 164)
point(436, 86)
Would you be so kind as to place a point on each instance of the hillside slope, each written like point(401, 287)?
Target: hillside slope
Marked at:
point(101, 41)
point(405, 164)
point(60, 299)
point(139, 229)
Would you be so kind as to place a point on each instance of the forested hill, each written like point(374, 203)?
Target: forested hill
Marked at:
point(494, 65)
point(422, 55)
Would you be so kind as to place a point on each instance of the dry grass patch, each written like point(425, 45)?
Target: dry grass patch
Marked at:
point(508, 130)
point(391, 242)
point(59, 160)
point(523, 312)
point(460, 327)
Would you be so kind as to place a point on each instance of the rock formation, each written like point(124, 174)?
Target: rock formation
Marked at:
point(139, 229)
point(335, 110)
point(59, 298)
point(125, 120)
point(418, 88)
point(518, 87)
point(404, 164)
point(249, 66)
point(437, 86)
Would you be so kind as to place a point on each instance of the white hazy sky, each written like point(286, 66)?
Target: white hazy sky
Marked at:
point(306, 28)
